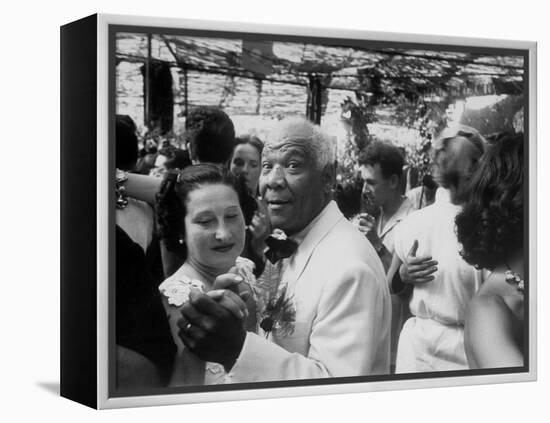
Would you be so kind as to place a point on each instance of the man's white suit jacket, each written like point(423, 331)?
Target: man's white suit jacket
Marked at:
point(343, 311)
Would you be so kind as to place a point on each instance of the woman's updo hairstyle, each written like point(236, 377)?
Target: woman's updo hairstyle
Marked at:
point(173, 194)
point(491, 224)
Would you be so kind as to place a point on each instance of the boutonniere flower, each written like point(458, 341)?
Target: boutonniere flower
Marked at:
point(279, 314)
point(177, 290)
point(245, 269)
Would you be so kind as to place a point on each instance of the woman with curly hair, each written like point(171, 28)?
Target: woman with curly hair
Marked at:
point(491, 231)
point(200, 217)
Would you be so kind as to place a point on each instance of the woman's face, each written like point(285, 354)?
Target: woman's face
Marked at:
point(246, 162)
point(214, 226)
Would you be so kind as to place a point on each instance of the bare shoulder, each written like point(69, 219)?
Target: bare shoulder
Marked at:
point(498, 295)
point(491, 313)
point(486, 303)
point(493, 330)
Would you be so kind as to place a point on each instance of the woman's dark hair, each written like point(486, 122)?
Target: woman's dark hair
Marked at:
point(179, 159)
point(126, 143)
point(490, 226)
point(252, 140)
point(210, 132)
point(173, 193)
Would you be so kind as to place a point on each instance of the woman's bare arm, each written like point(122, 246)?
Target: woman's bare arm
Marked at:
point(489, 334)
point(142, 187)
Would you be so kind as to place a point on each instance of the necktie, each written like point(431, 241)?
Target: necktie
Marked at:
point(279, 248)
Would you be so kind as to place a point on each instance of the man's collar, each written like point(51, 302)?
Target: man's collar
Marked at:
point(283, 247)
point(311, 236)
point(300, 236)
point(403, 210)
point(442, 195)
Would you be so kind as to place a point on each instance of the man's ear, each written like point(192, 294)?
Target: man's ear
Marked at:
point(394, 181)
point(328, 176)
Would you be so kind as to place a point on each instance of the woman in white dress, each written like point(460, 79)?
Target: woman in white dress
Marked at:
point(491, 231)
point(200, 218)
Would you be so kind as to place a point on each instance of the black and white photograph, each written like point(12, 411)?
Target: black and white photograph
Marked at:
point(292, 210)
point(275, 212)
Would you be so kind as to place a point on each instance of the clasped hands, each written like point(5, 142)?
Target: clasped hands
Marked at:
point(212, 325)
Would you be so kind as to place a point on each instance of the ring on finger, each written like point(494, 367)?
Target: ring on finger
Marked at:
point(187, 327)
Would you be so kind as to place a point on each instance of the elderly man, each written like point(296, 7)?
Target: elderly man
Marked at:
point(329, 313)
point(427, 256)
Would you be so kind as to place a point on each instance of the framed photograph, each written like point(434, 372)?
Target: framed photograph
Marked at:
point(253, 211)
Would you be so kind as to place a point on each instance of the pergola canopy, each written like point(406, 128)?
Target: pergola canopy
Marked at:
point(279, 78)
point(347, 67)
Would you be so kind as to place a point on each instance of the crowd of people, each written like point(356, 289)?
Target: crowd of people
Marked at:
point(236, 264)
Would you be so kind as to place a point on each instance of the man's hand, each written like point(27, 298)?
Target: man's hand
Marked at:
point(366, 223)
point(231, 302)
point(210, 331)
point(417, 270)
point(259, 228)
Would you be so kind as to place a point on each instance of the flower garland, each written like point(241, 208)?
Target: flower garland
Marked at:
point(514, 278)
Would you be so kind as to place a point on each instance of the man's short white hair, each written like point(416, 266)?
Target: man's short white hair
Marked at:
point(316, 142)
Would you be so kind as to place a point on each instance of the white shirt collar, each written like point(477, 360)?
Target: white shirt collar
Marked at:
point(442, 195)
point(300, 236)
point(310, 237)
point(402, 212)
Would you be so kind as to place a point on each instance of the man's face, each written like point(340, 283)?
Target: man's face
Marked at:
point(292, 186)
point(375, 185)
point(454, 162)
point(437, 165)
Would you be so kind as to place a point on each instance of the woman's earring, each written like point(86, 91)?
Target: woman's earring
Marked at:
point(181, 241)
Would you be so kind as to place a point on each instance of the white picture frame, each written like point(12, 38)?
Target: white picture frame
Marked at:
point(99, 394)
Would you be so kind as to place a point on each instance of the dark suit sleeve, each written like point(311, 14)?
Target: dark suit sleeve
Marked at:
point(248, 252)
point(141, 322)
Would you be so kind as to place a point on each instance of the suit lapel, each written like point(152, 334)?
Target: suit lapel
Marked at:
point(329, 218)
